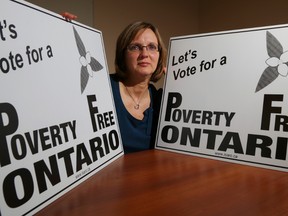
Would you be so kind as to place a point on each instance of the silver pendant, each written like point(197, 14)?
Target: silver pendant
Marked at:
point(136, 106)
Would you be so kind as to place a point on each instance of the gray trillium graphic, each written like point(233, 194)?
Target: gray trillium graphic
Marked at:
point(277, 62)
point(89, 63)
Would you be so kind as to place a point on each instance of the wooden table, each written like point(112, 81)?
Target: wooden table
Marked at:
point(163, 183)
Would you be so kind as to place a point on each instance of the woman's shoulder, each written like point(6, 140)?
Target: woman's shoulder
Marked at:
point(113, 78)
point(155, 91)
point(156, 95)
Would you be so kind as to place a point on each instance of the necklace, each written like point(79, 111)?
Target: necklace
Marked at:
point(137, 104)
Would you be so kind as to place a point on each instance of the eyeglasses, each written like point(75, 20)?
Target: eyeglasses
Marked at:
point(152, 48)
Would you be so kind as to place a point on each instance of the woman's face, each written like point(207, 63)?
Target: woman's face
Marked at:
point(142, 55)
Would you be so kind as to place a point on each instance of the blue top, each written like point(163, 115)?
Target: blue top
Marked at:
point(137, 135)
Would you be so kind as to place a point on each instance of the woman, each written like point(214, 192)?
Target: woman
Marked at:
point(140, 59)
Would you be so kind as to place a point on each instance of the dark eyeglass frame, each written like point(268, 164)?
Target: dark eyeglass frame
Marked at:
point(137, 48)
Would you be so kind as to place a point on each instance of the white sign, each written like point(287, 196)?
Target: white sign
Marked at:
point(226, 97)
point(57, 120)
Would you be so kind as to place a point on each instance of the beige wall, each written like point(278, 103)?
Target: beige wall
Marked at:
point(228, 15)
point(83, 9)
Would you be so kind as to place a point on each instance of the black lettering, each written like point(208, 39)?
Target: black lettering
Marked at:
point(281, 149)
point(281, 120)
point(33, 144)
point(187, 134)
point(113, 139)
point(174, 100)
point(263, 145)
point(95, 145)
point(44, 138)
point(66, 155)
point(19, 151)
point(170, 137)
point(55, 135)
point(82, 151)
point(41, 170)
point(268, 109)
point(8, 129)
point(9, 187)
point(93, 110)
point(211, 139)
point(235, 145)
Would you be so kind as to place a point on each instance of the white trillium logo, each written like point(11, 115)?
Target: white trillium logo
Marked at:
point(277, 62)
point(85, 62)
point(88, 63)
point(280, 63)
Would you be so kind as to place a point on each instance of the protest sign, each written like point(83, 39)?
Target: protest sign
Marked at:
point(57, 120)
point(225, 97)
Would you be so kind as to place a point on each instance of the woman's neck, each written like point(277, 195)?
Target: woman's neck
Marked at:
point(136, 87)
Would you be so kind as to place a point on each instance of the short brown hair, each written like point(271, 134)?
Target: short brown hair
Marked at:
point(125, 38)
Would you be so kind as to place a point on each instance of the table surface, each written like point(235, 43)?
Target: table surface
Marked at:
point(157, 182)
